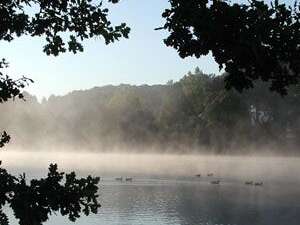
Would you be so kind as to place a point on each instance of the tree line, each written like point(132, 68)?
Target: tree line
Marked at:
point(192, 114)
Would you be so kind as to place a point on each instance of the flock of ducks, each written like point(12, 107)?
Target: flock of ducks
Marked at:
point(218, 181)
point(254, 183)
point(127, 179)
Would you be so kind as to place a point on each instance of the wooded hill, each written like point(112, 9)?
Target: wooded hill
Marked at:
point(193, 114)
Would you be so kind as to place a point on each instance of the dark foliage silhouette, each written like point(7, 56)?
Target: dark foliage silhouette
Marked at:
point(33, 202)
point(250, 41)
point(80, 19)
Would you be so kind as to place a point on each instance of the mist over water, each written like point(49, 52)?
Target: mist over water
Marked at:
point(161, 137)
point(265, 168)
point(166, 191)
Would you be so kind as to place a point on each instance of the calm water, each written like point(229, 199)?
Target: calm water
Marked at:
point(176, 196)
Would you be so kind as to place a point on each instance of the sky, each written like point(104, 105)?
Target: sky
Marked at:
point(141, 59)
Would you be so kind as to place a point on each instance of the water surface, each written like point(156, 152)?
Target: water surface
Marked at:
point(166, 191)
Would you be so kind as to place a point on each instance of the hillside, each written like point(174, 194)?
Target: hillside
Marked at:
point(193, 114)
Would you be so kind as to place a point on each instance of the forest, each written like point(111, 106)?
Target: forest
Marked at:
point(194, 114)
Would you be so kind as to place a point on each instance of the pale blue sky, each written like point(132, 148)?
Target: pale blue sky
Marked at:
point(142, 59)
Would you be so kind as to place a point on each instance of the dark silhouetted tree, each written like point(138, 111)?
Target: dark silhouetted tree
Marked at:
point(33, 202)
point(250, 41)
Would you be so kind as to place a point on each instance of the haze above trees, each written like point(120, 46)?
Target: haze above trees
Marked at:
point(193, 114)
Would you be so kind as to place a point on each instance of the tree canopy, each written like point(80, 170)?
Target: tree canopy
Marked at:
point(52, 18)
point(250, 41)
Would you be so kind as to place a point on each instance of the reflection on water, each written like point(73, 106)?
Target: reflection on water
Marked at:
point(177, 196)
point(189, 203)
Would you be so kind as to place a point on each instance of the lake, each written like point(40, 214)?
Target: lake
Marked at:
point(166, 191)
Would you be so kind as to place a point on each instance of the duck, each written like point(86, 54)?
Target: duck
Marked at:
point(215, 182)
point(249, 182)
point(258, 184)
point(198, 175)
point(119, 179)
point(210, 174)
point(128, 179)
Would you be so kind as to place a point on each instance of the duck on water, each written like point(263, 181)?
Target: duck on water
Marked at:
point(254, 183)
point(249, 182)
point(215, 182)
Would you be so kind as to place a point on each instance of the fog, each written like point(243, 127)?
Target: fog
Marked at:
point(178, 129)
point(108, 165)
point(188, 116)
